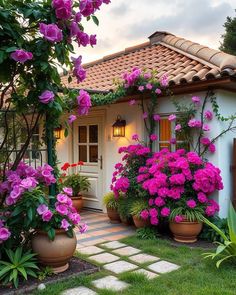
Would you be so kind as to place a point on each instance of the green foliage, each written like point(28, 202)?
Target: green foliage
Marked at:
point(210, 235)
point(110, 201)
point(124, 205)
point(229, 38)
point(147, 233)
point(138, 206)
point(226, 249)
point(78, 183)
point(109, 98)
point(194, 214)
point(44, 273)
point(18, 265)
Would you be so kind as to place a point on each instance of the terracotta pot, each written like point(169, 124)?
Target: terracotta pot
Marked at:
point(139, 222)
point(55, 254)
point(113, 215)
point(185, 231)
point(78, 203)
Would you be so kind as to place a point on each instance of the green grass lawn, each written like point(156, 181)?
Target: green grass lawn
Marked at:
point(196, 276)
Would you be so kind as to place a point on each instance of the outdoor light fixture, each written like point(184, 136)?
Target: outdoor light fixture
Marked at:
point(57, 132)
point(119, 127)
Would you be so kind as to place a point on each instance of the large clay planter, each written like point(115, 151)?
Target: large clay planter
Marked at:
point(113, 215)
point(55, 254)
point(139, 222)
point(185, 231)
point(78, 203)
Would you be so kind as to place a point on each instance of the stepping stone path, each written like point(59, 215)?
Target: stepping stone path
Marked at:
point(104, 258)
point(163, 266)
point(143, 258)
point(111, 283)
point(114, 263)
point(150, 275)
point(79, 291)
point(90, 250)
point(113, 245)
point(120, 266)
point(126, 251)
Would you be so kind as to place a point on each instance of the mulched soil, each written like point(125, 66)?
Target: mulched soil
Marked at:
point(199, 244)
point(77, 268)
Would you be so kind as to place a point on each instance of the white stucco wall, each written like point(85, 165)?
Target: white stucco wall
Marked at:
point(132, 115)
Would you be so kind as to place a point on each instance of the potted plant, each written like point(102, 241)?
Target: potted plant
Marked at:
point(111, 204)
point(124, 204)
point(79, 184)
point(136, 210)
point(33, 219)
point(180, 185)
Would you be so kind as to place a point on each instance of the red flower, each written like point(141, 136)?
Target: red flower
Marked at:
point(65, 166)
point(80, 163)
point(74, 165)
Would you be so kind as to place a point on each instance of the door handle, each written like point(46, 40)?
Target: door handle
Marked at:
point(100, 160)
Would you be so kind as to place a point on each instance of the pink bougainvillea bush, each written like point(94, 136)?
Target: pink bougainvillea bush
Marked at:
point(27, 207)
point(180, 185)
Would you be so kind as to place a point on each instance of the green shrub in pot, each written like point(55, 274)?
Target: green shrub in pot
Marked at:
point(136, 208)
point(78, 183)
point(124, 205)
point(111, 204)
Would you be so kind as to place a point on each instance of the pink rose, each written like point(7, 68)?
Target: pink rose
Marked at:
point(65, 224)
point(149, 86)
point(46, 216)
point(144, 214)
point(93, 40)
point(46, 97)
point(196, 100)
point(84, 102)
point(51, 32)
point(164, 80)
point(172, 117)
point(83, 228)
point(158, 91)
point(212, 148)
point(145, 115)
point(191, 204)
point(206, 127)
point(68, 191)
point(62, 209)
point(205, 141)
point(141, 88)
point(71, 119)
point(42, 209)
point(208, 115)
point(178, 218)
point(147, 76)
point(153, 137)
point(165, 212)
point(4, 234)
point(135, 137)
point(62, 198)
point(21, 55)
point(156, 117)
point(178, 127)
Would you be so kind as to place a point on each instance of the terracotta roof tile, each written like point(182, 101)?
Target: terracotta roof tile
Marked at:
point(184, 62)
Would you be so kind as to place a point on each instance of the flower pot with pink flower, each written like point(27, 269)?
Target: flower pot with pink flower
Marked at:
point(111, 204)
point(139, 213)
point(54, 240)
point(77, 184)
point(180, 185)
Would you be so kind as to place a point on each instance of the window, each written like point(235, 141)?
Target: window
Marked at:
point(166, 131)
point(88, 143)
point(32, 151)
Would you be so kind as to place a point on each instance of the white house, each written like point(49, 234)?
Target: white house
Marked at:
point(192, 70)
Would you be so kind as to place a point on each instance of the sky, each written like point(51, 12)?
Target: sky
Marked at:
point(124, 23)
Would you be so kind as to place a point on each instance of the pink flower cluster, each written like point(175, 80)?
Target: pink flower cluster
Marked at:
point(79, 72)
point(84, 102)
point(21, 55)
point(88, 7)
point(4, 232)
point(63, 212)
point(63, 8)
point(131, 78)
point(25, 178)
point(173, 179)
point(134, 154)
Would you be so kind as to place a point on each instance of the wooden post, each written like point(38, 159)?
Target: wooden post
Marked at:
point(233, 167)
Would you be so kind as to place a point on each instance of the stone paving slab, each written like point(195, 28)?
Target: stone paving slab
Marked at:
point(150, 275)
point(90, 250)
point(163, 266)
point(110, 282)
point(120, 266)
point(126, 251)
point(143, 258)
point(79, 291)
point(113, 245)
point(104, 258)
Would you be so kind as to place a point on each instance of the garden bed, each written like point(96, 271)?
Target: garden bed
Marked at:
point(77, 267)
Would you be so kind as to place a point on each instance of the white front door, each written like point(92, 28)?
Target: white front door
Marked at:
point(88, 135)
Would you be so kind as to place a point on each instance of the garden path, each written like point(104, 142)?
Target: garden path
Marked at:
point(101, 230)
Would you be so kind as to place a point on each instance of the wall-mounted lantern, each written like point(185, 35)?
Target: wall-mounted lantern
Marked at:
point(57, 132)
point(119, 127)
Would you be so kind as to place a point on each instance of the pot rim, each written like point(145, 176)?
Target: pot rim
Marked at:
point(58, 231)
point(78, 197)
point(185, 220)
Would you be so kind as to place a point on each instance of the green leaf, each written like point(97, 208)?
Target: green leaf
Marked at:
point(11, 49)
point(51, 234)
point(17, 255)
point(23, 272)
point(95, 20)
point(66, 132)
point(221, 260)
point(4, 271)
point(30, 214)
point(232, 223)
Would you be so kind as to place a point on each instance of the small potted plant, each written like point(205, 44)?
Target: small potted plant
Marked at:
point(79, 184)
point(124, 204)
point(136, 210)
point(111, 204)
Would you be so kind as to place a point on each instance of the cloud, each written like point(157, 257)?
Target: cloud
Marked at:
point(190, 18)
point(120, 10)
